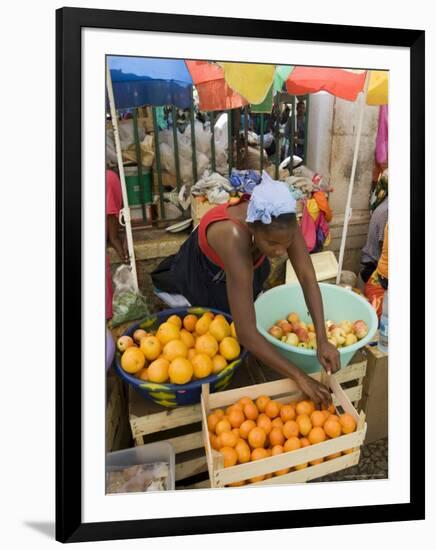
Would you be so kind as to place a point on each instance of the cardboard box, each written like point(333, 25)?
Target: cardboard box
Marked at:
point(375, 394)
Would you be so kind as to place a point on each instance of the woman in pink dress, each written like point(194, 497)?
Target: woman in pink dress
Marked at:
point(114, 203)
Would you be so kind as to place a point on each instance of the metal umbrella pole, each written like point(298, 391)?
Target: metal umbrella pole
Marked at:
point(352, 177)
point(126, 209)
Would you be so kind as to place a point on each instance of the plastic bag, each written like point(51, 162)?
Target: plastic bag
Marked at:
point(128, 303)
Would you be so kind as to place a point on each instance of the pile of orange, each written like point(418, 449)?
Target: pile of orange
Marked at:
point(251, 430)
point(180, 350)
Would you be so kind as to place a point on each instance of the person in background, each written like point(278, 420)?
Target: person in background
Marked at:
point(372, 250)
point(377, 283)
point(114, 203)
point(224, 265)
point(300, 134)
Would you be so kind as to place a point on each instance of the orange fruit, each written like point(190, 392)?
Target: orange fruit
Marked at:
point(292, 444)
point(202, 365)
point(236, 418)
point(206, 344)
point(334, 417)
point(347, 422)
point(276, 437)
point(258, 453)
point(272, 409)
point(150, 347)
point(167, 332)
point(334, 455)
point(287, 412)
point(223, 426)
point(264, 422)
point(290, 429)
point(261, 402)
point(347, 451)
point(256, 438)
point(236, 484)
point(219, 413)
point(219, 363)
point(246, 427)
point(175, 319)
point(158, 370)
point(202, 325)
point(278, 450)
point(210, 315)
point(175, 348)
point(142, 374)
point(229, 348)
point(250, 411)
point(180, 371)
point(230, 456)
point(244, 401)
point(138, 334)
point(228, 439)
point(301, 466)
point(277, 423)
point(212, 421)
point(257, 478)
point(332, 428)
point(236, 406)
point(243, 451)
point(219, 328)
point(304, 442)
point(330, 408)
point(305, 407)
point(233, 330)
point(215, 442)
point(316, 435)
point(191, 354)
point(304, 424)
point(124, 342)
point(317, 418)
point(189, 322)
point(133, 360)
point(236, 432)
point(316, 461)
point(187, 338)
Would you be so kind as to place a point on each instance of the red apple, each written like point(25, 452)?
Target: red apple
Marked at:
point(276, 332)
point(124, 342)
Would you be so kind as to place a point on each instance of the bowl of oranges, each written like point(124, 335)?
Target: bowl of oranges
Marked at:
point(167, 356)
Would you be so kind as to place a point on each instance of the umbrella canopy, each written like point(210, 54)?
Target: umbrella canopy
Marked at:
point(252, 80)
point(378, 88)
point(338, 82)
point(213, 91)
point(141, 81)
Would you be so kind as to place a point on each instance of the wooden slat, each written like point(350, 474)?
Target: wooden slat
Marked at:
point(351, 372)
point(186, 442)
point(165, 420)
point(312, 472)
point(345, 398)
point(353, 394)
point(191, 467)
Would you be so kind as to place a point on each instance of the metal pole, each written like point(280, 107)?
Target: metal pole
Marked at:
point(230, 140)
point(126, 208)
point(306, 126)
point(292, 136)
point(193, 145)
point(353, 174)
point(261, 142)
point(139, 163)
point(176, 147)
point(212, 140)
point(158, 165)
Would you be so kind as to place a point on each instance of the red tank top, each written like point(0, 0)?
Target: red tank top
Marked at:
point(217, 214)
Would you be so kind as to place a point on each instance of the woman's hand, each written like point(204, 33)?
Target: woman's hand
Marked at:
point(314, 390)
point(328, 356)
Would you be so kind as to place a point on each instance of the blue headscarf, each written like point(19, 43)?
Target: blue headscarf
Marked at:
point(270, 198)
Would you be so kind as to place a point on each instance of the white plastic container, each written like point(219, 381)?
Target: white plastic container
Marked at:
point(161, 451)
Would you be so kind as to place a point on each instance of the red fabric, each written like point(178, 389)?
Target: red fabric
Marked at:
point(213, 92)
point(375, 293)
point(217, 214)
point(114, 203)
point(338, 82)
point(308, 229)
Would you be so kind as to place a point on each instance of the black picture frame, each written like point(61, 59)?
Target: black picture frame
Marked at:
point(69, 22)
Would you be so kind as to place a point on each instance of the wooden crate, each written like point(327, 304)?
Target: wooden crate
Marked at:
point(285, 390)
point(117, 426)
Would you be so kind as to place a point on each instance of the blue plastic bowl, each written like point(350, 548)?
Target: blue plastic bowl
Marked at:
point(174, 395)
point(339, 304)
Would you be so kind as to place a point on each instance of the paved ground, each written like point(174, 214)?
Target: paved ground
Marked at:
point(373, 464)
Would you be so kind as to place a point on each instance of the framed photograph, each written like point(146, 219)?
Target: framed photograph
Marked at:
point(225, 346)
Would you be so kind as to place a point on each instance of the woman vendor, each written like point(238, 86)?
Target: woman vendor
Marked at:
point(224, 265)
